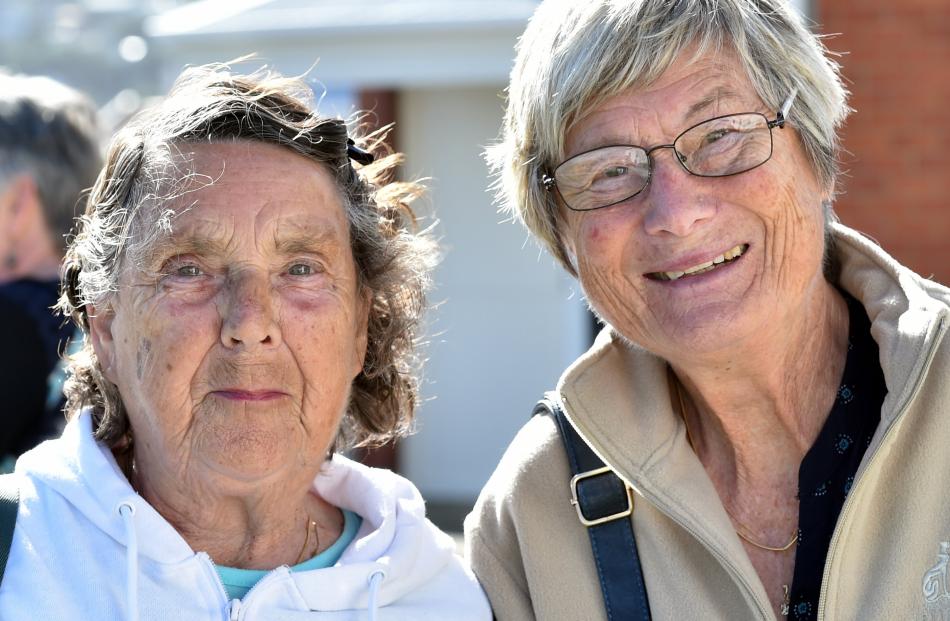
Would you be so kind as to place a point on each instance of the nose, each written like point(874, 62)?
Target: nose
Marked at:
point(675, 203)
point(249, 320)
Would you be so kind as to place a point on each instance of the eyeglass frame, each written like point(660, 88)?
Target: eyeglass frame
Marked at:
point(781, 116)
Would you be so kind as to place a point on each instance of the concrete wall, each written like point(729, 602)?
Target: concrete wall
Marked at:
point(509, 322)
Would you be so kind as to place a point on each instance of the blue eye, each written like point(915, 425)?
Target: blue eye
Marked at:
point(188, 271)
point(301, 269)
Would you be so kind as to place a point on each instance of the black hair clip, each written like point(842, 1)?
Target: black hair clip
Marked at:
point(358, 155)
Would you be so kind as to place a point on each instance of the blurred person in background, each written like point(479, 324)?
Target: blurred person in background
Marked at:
point(767, 411)
point(49, 154)
point(250, 286)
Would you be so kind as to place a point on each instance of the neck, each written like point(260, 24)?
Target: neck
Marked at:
point(754, 414)
point(278, 523)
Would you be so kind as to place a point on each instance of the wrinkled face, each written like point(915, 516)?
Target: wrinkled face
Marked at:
point(765, 226)
point(235, 344)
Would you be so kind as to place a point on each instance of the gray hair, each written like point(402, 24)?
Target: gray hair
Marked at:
point(49, 131)
point(574, 55)
point(128, 212)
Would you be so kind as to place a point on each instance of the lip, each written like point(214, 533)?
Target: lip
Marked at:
point(238, 394)
point(691, 261)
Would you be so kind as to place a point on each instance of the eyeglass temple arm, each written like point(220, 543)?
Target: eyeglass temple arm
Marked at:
point(782, 114)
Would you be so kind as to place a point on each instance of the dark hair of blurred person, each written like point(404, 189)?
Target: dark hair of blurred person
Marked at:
point(49, 154)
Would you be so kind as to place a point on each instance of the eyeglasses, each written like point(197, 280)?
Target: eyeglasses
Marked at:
point(718, 147)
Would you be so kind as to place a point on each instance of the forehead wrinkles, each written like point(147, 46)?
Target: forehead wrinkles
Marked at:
point(279, 234)
point(695, 78)
point(198, 177)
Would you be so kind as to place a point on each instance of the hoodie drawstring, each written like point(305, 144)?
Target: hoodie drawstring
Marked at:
point(127, 511)
point(375, 579)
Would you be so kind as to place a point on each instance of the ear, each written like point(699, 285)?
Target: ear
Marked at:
point(363, 303)
point(103, 343)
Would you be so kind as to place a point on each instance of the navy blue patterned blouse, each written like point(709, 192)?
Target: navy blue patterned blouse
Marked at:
point(827, 471)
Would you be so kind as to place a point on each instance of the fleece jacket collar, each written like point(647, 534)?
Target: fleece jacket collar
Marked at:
point(617, 396)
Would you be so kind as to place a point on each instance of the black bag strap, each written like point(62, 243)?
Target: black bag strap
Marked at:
point(604, 505)
point(9, 506)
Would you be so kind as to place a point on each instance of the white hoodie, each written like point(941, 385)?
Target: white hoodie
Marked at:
point(86, 545)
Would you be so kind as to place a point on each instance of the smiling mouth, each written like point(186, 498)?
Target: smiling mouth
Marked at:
point(727, 257)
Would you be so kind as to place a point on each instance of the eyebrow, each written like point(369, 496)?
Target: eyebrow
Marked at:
point(306, 242)
point(717, 94)
point(300, 238)
point(188, 243)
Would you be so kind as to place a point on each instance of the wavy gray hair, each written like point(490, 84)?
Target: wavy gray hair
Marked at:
point(574, 55)
point(127, 213)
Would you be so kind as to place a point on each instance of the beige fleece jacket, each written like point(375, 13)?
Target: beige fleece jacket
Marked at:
point(890, 552)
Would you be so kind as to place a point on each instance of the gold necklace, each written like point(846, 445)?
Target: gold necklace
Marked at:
point(759, 545)
point(736, 523)
point(311, 527)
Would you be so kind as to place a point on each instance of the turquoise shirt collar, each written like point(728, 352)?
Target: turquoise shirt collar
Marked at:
point(237, 582)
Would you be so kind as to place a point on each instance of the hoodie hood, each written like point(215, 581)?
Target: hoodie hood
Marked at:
point(87, 476)
point(395, 539)
point(399, 562)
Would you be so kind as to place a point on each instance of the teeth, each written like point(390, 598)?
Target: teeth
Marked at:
point(700, 267)
point(728, 255)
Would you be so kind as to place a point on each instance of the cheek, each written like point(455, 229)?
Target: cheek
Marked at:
point(794, 224)
point(593, 235)
point(602, 237)
point(609, 267)
point(320, 346)
point(163, 346)
point(797, 214)
point(313, 327)
point(182, 330)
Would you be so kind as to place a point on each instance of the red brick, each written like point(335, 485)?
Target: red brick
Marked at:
point(898, 180)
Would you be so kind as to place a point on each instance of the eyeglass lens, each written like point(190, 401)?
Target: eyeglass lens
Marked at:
point(718, 147)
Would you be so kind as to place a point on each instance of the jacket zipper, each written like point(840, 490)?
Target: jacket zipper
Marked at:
point(849, 501)
point(765, 611)
point(233, 607)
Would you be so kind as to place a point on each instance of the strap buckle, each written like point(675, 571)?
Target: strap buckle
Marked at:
point(595, 520)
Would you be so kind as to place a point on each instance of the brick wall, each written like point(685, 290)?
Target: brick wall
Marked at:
point(897, 189)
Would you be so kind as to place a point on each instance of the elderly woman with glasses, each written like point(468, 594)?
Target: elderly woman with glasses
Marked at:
point(762, 428)
point(249, 282)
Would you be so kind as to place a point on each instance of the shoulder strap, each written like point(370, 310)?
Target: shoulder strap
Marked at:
point(9, 505)
point(604, 505)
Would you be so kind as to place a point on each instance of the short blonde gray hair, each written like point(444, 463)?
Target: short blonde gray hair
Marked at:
point(128, 211)
point(575, 54)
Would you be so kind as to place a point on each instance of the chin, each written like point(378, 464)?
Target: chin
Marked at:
point(242, 469)
point(249, 455)
point(706, 331)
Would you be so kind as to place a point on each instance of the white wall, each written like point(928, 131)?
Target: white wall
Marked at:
point(508, 324)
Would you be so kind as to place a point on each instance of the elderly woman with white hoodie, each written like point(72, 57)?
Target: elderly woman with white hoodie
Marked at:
point(249, 284)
